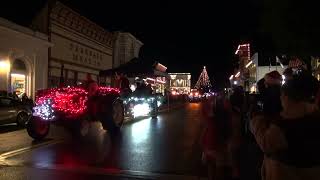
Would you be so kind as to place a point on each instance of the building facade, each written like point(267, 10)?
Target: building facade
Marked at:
point(126, 47)
point(315, 67)
point(23, 59)
point(180, 82)
point(81, 47)
point(259, 73)
point(250, 70)
point(244, 74)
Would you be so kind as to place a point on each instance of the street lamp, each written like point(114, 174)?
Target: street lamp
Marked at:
point(4, 72)
point(4, 66)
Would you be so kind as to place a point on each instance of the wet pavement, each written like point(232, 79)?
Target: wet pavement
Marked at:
point(163, 148)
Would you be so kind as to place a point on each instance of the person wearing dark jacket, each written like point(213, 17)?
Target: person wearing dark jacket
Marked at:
point(99, 108)
point(271, 95)
point(28, 102)
point(216, 137)
point(237, 130)
point(290, 141)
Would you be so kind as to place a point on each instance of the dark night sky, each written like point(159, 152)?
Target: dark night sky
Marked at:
point(185, 36)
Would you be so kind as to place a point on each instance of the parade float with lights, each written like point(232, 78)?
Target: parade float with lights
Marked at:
point(68, 106)
point(139, 104)
point(142, 106)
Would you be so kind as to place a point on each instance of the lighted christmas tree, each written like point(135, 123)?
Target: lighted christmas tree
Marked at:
point(203, 81)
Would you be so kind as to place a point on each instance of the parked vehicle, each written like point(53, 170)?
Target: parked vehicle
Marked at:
point(13, 111)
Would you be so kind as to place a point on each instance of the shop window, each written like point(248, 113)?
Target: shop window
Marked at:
point(18, 77)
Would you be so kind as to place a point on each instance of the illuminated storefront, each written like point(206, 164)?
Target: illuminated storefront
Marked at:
point(315, 67)
point(19, 78)
point(18, 83)
point(23, 59)
point(158, 84)
point(180, 82)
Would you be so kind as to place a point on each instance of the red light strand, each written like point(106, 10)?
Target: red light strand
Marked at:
point(71, 101)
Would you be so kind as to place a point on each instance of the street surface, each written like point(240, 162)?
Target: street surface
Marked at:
point(163, 148)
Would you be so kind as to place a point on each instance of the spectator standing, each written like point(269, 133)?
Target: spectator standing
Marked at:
point(271, 94)
point(124, 82)
point(216, 137)
point(237, 130)
point(290, 142)
point(27, 101)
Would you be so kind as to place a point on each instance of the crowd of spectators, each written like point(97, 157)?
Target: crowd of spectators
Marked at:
point(281, 121)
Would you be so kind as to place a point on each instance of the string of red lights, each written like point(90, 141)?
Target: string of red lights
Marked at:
point(71, 101)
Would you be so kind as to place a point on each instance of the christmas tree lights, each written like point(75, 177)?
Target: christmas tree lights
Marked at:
point(203, 80)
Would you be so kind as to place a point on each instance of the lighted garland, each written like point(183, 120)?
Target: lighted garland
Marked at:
point(108, 90)
point(71, 101)
point(149, 100)
point(44, 110)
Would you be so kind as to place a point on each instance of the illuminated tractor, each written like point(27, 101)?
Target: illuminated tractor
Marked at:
point(194, 96)
point(139, 106)
point(69, 107)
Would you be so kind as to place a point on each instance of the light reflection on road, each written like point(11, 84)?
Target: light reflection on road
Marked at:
point(165, 144)
point(140, 131)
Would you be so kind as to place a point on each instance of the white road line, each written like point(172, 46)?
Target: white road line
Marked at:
point(16, 152)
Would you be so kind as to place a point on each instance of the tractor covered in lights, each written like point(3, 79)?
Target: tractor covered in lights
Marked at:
point(142, 106)
point(44, 110)
point(142, 109)
point(194, 95)
point(68, 107)
point(69, 103)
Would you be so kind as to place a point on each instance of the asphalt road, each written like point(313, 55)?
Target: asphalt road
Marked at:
point(162, 148)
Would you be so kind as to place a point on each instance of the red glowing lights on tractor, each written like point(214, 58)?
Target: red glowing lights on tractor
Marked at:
point(71, 101)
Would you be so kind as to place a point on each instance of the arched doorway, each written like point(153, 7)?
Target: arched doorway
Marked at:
point(18, 76)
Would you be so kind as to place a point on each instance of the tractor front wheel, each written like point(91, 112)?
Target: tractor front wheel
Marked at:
point(37, 128)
